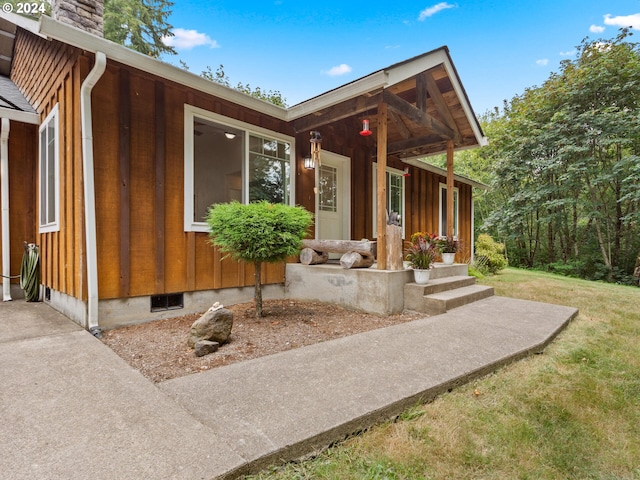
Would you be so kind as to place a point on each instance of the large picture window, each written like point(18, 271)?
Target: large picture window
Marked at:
point(227, 160)
point(443, 211)
point(395, 195)
point(49, 174)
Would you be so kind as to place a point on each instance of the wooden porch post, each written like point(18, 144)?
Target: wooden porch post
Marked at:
point(450, 209)
point(382, 186)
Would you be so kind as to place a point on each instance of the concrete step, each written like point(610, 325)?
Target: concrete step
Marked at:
point(443, 284)
point(414, 293)
point(440, 270)
point(443, 301)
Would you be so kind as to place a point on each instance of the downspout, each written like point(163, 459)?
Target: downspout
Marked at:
point(89, 191)
point(6, 237)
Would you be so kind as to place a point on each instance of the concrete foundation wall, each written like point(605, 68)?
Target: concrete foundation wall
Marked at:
point(69, 306)
point(368, 289)
point(120, 312)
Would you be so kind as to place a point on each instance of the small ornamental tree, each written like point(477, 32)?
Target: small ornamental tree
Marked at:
point(256, 233)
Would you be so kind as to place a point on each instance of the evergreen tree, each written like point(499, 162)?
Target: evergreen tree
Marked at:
point(139, 24)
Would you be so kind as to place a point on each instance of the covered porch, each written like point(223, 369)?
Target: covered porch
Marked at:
point(391, 119)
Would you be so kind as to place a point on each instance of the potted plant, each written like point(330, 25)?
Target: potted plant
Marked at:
point(421, 254)
point(448, 246)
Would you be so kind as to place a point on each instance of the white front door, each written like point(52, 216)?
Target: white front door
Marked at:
point(333, 215)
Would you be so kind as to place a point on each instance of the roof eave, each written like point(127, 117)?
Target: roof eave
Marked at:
point(416, 162)
point(19, 116)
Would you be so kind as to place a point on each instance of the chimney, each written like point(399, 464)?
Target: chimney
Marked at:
point(83, 14)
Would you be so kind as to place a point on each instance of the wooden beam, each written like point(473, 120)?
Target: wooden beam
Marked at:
point(450, 210)
point(412, 143)
point(421, 92)
point(406, 109)
point(400, 125)
point(381, 190)
point(341, 111)
point(440, 104)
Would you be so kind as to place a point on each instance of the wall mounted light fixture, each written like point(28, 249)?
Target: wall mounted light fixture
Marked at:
point(309, 164)
point(230, 135)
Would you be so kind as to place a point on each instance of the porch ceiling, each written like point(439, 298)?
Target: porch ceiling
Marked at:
point(426, 109)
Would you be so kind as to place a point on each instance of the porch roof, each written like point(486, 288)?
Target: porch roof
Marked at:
point(426, 100)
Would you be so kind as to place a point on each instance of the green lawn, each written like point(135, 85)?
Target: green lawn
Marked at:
point(571, 413)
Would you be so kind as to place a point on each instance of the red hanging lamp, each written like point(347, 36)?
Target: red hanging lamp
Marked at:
point(365, 132)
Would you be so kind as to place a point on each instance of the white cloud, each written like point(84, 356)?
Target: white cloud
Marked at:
point(596, 29)
point(431, 11)
point(568, 53)
point(187, 39)
point(542, 62)
point(341, 69)
point(632, 21)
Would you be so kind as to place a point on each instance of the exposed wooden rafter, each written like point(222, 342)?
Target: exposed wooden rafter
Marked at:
point(414, 143)
point(439, 102)
point(400, 125)
point(406, 109)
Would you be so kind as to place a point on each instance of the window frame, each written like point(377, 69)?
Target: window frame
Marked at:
point(374, 201)
point(190, 113)
point(442, 205)
point(43, 200)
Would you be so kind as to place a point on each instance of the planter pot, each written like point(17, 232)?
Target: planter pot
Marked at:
point(448, 258)
point(421, 276)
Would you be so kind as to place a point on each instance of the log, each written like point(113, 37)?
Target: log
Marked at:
point(355, 260)
point(308, 256)
point(394, 248)
point(365, 248)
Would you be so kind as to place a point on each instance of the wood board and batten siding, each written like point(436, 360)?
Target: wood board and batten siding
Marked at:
point(139, 158)
point(60, 72)
point(138, 123)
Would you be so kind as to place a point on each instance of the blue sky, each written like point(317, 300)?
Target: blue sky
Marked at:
point(304, 48)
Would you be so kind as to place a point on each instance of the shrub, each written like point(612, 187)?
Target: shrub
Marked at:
point(490, 257)
point(258, 232)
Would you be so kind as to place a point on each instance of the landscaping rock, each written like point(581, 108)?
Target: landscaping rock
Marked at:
point(215, 325)
point(205, 347)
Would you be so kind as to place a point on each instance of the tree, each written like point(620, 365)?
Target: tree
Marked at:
point(139, 24)
point(219, 76)
point(567, 165)
point(258, 232)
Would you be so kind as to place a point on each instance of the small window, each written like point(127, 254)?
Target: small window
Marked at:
point(328, 191)
point(443, 210)
point(49, 174)
point(170, 301)
point(395, 194)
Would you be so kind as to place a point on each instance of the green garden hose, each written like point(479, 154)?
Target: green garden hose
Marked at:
point(30, 272)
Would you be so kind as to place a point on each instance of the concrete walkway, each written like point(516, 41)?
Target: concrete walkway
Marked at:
point(72, 409)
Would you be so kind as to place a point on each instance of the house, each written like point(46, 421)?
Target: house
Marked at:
point(111, 158)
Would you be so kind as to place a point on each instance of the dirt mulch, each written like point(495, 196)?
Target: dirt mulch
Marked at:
point(160, 352)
